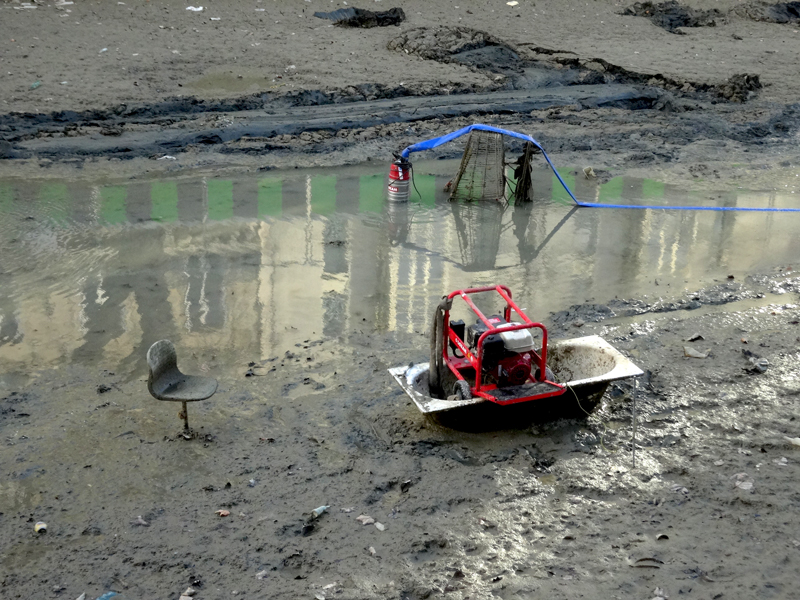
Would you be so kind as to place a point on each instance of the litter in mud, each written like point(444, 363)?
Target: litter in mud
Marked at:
point(690, 352)
point(359, 17)
point(140, 521)
point(317, 512)
point(759, 364)
point(223, 513)
point(742, 481)
point(793, 441)
point(365, 520)
point(40, 527)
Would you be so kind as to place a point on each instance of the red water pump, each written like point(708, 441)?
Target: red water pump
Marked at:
point(399, 179)
point(495, 358)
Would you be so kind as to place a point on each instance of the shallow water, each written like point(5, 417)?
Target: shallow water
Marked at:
point(95, 272)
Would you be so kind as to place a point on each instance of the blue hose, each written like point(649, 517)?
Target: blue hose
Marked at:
point(436, 142)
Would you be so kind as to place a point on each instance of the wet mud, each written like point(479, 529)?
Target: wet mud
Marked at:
point(264, 285)
point(672, 15)
point(182, 174)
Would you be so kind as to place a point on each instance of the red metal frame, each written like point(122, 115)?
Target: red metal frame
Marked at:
point(471, 361)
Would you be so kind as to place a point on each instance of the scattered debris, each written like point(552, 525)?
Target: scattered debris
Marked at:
point(187, 595)
point(662, 537)
point(792, 441)
point(195, 8)
point(140, 521)
point(647, 563)
point(760, 365)
point(782, 461)
point(365, 520)
point(588, 173)
point(690, 352)
point(679, 488)
point(381, 527)
point(404, 486)
point(262, 574)
point(223, 513)
point(40, 527)
point(359, 17)
point(35, 85)
point(167, 157)
point(251, 483)
point(372, 551)
point(82, 596)
point(512, 3)
point(107, 596)
point(742, 481)
point(695, 338)
point(317, 512)
point(347, 510)
point(660, 594)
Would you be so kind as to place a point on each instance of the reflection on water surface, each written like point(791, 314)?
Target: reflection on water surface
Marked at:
point(250, 266)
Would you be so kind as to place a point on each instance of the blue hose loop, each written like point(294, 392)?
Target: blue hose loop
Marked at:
point(436, 142)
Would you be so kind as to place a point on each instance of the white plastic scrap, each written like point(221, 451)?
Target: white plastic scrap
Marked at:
point(261, 574)
point(692, 353)
point(742, 481)
point(380, 526)
point(792, 441)
point(195, 8)
point(365, 519)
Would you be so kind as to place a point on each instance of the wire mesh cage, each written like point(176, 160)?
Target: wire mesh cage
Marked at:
point(481, 175)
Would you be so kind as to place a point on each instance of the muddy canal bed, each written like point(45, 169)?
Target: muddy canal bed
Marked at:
point(297, 290)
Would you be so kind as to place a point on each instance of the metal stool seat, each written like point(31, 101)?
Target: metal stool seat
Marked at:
point(166, 382)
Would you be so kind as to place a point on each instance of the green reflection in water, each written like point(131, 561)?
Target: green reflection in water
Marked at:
point(426, 185)
point(112, 204)
point(54, 198)
point(164, 198)
point(270, 200)
point(611, 191)
point(371, 193)
point(6, 197)
point(559, 193)
point(323, 195)
point(220, 199)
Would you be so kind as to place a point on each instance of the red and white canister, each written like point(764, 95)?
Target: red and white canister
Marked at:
point(399, 180)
